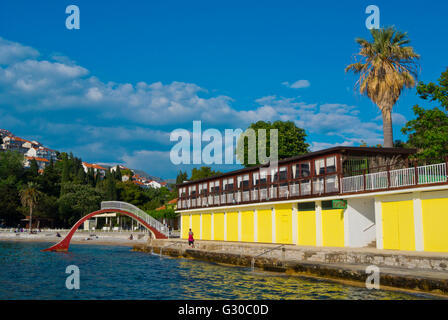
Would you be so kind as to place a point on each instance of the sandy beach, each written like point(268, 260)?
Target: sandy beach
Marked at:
point(97, 238)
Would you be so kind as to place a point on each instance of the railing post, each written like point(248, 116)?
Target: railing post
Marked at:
point(416, 172)
point(388, 176)
point(364, 180)
point(446, 168)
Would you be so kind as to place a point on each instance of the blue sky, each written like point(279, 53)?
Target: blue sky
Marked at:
point(113, 91)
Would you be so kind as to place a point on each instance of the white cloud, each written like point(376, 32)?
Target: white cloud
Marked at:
point(397, 119)
point(316, 146)
point(110, 116)
point(299, 84)
point(11, 52)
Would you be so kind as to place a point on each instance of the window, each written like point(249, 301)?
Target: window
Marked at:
point(256, 179)
point(214, 187)
point(263, 175)
point(319, 165)
point(302, 170)
point(246, 181)
point(307, 206)
point(331, 164)
point(327, 205)
point(283, 174)
point(228, 184)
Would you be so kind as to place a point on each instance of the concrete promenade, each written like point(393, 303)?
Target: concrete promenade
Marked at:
point(80, 237)
point(415, 271)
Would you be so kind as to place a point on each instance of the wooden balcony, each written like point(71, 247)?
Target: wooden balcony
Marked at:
point(335, 171)
point(322, 186)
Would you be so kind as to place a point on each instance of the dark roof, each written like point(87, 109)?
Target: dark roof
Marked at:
point(341, 150)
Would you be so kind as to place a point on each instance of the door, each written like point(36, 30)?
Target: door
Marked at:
point(435, 224)
point(398, 225)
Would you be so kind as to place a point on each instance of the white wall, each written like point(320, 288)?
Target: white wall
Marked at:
point(360, 215)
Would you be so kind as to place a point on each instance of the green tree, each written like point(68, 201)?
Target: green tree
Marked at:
point(34, 169)
point(388, 66)
point(181, 177)
point(76, 201)
point(203, 172)
point(50, 180)
point(428, 133)
point(110, 186)
point(11, 164)
point(29, 197)
point(434, 92)
point(10, 200)
point(291, 140)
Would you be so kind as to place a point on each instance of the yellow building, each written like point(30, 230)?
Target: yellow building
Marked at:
point(332, 198)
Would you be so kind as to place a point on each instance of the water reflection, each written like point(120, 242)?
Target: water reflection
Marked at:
point(109, 272)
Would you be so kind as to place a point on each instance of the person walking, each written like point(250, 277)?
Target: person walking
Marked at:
point(190, 239)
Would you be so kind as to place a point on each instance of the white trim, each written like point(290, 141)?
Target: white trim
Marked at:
point(418, 222)
point(273, 225)
point(361, 195)
point(379, 223)
point(319, 223)
point(347, 227)
point(295, 227)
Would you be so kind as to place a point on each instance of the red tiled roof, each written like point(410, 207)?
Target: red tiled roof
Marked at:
point(95, 166)
point(37, 159)
point(20, 139)
point(172, 201)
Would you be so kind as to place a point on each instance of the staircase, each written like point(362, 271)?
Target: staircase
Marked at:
point(372, 244)
point(138, 212)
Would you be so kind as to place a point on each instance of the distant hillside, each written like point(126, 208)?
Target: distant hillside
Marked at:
point(5, 133)
point(147, 176)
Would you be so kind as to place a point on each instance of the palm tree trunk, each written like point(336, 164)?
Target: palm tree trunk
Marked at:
point(387, 128)
point(31, 218)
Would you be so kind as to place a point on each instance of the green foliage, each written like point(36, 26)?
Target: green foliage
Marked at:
point(126, 172)
point(11, 165)
point(77, 200)
point(428, 133)
point(434, 92)
point(10, 200)
point(203, 172)
point(181, 177)
point(162, 213)
point(66, 192)
point(291, 141)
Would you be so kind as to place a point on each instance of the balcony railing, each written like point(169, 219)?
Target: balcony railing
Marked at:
point(429, 174)
point(331, 184)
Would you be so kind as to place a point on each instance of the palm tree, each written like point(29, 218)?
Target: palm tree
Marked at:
point(29, 196)
point(387, 66)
